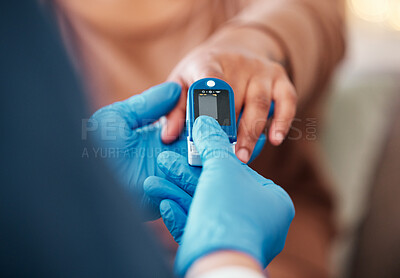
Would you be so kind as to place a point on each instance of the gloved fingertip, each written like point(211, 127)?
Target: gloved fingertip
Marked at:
point(174, 86)
point(205, 121)
point(167, 215)
point(169, 89)
point(166, 159)
point(148, 184)
point(174, 218)
point(209, 136)
point(165, 207)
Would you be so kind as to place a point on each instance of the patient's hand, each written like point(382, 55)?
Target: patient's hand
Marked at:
point(248, 60)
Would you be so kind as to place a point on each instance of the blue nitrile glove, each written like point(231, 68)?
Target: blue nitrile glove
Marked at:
point(234, 208)
point(163, 191)
point(130, 140)
point(174, 200)
point(178, 171)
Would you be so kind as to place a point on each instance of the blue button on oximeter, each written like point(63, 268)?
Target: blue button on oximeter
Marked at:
point(215, 98)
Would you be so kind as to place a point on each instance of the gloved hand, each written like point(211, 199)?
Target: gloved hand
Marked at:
point(174, 193)
point(129, 134)
point(234, 208)
point(162, 191)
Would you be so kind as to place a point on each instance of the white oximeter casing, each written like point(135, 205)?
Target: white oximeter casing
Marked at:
point(210, 97)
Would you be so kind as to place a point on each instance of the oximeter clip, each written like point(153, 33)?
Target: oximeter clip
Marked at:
point(215, 98)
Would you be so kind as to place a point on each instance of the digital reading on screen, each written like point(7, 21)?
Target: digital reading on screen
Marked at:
point(208, 105)
point(213, 103)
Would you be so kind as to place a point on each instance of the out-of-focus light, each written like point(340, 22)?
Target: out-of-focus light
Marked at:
point(394, 15)
point(378, 11)
point(371, 10)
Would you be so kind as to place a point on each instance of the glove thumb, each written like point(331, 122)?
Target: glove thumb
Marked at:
point(210, 140)
point(152, 104)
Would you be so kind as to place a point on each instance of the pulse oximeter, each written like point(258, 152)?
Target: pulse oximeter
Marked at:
point(215, 98)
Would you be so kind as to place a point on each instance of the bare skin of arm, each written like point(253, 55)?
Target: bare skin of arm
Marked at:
point(222, 259)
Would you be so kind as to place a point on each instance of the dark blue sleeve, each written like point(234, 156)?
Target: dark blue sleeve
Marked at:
point(61, 213)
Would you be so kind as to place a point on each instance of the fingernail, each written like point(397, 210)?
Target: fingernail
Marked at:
point(164, 131)
point(243, 154)
point(279, 137)
point(165, 136)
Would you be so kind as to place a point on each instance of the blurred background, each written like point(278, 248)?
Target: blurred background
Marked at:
point(361, 138)
point(361, 141)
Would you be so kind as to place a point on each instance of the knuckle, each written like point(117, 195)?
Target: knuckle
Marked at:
point(250, 135)
point(251, 131)
point(278, 69)
point(256, 61)
point(211, 70)
point(229, 57)
point(258, 85)
point(260, 101)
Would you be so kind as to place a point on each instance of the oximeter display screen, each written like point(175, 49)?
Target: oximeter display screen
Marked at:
point(213, 103)
point(208, 105)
